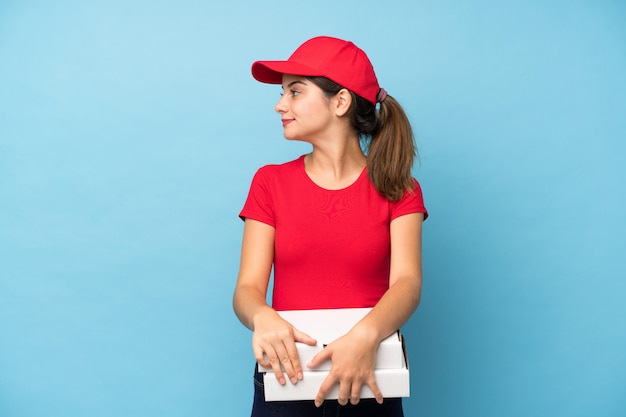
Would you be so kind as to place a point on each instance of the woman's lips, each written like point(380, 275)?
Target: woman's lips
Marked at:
point(286, 121)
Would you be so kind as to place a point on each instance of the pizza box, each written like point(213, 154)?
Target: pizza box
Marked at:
point(391, 370)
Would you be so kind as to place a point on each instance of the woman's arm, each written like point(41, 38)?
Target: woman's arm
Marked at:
point(405, 279)
point(353, 356)
point(273, 337)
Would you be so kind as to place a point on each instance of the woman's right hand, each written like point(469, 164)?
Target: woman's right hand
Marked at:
point(274, 344)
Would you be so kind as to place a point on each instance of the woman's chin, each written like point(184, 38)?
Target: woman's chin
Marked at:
point(294, 138)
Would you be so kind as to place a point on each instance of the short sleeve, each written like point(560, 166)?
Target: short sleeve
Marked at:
point(411, 202)
point(259, 205)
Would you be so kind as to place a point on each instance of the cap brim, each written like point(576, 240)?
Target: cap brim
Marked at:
point(271, 72)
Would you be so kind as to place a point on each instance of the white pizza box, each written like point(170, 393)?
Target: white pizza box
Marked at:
point(391, 370)
point(327, 325)
point(393, 383)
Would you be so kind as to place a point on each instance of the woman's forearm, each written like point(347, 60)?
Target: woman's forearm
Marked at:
point(248, 302)
point(393, 309)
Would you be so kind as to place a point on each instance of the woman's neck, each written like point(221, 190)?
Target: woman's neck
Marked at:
point(336, 166)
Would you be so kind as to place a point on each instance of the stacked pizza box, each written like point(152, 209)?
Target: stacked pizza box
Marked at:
point(391, 370)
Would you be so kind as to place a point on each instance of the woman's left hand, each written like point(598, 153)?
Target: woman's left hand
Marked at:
point(353, 357)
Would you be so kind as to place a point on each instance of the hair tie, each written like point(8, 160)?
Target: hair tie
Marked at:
point(382, 95)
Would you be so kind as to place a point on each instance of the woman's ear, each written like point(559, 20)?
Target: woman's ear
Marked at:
point(342, 102)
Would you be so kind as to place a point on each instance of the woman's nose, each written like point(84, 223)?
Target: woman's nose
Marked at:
point(280, 105)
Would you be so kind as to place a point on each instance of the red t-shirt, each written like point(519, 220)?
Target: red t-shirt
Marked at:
point(332, 247)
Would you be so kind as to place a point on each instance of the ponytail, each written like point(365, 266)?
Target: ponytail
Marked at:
point(391, 151)
point(387, 139)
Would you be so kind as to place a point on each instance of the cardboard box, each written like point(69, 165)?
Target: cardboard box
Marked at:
point(327, 325)
point(392, 371)
point(392, 383)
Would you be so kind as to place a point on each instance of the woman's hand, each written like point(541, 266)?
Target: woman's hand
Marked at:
point(275, 339)
point(353, 357)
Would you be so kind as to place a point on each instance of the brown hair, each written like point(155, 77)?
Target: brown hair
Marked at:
point(387, 138)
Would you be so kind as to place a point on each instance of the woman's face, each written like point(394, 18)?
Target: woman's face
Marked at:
point(304, 108)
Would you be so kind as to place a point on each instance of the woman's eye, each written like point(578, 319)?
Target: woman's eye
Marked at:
point(292, 93)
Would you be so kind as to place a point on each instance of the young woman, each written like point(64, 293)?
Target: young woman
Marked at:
point(341, 226)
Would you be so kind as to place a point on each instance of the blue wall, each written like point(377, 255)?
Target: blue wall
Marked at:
point(130, 130)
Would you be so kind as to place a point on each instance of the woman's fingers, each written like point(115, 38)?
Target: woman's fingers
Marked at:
point(259, 355)
point(349, 390)
point(357, 386)
point(278, 351)
point(320, 358)
point(324, 388)
point(344, 391)
point(303, 338)
point(283, 361)
point(351, 369)
point(355, 393)
point(272, 361)
point(288, 357)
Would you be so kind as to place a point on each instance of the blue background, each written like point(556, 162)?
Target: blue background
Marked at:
point(130, 131)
